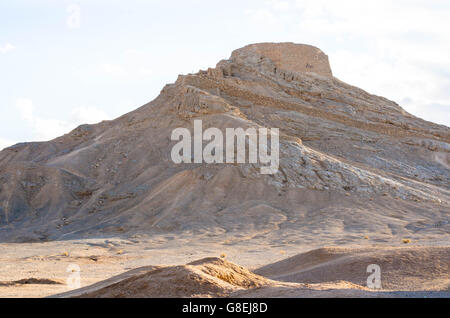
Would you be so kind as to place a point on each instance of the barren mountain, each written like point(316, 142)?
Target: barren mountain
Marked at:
point(351, 163)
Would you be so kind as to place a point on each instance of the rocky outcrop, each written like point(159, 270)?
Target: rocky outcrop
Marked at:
point(284, 57)
point(336, 141)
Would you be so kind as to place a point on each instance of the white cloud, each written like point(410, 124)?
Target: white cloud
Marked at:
point(25, 107)
point(279, 5)
point(133, 64)
point(42, 128)
point(88, 115)
point(8, 47)
point(74, 17)
point(262, 16)
point(113, 69)
point(48, 128)
point(4, 143)
point(146, 71)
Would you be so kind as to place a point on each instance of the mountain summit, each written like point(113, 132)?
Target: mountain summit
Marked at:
point(350, 163)
point(285, 56)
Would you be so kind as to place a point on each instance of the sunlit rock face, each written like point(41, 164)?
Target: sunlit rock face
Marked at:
point(350, 162)
point(286, 56)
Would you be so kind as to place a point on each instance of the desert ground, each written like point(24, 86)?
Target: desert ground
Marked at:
point(284, 261)
point(360, 181)
point(121, 268)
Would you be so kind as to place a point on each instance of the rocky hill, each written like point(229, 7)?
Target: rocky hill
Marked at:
point(350, 163)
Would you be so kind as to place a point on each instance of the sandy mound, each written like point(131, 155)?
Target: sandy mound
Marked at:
point(326, 272)
point(415, 268)
point(209, 277)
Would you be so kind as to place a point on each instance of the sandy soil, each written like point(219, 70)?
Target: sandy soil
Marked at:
point(288, 270)
point(326, 272)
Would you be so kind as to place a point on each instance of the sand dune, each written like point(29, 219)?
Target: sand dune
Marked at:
point(325, 272)
point(208, 277)
point(414, 268)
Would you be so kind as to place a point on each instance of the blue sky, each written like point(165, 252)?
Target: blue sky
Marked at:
point(64, 63)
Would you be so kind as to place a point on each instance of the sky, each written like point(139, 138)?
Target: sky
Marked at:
point(66, 63)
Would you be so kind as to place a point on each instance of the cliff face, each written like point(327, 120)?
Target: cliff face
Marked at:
point(346, 157)
point(285, 56)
